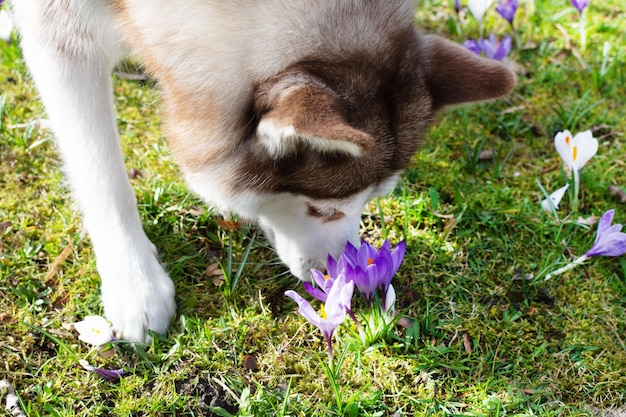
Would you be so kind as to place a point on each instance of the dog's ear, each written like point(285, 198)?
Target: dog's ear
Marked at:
point(299, 110)
point(457, 75)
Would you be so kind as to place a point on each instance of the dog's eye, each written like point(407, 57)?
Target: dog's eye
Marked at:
point(326, 215)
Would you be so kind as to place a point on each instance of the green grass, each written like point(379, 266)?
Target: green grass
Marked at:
point(483, 343)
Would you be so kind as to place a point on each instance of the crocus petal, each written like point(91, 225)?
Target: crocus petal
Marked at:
point(478, 8)
point(339, 300)
point(580, 4)
point(504, 48)
point(367, 281)
point(108, 374)
point(494, 48)
point(309, 313)
point(315, 292)
point(610, 240)
point(318, 277)
point(611, 245)
point(472, 45)
point(384, 261)
point(586, 146)
point(367, 253)
point(397, 255)
point(556, 198)
point(563, 145)
point(603, 225)
point(389, 300)
point(351, 252)
point(94, 330)
point(507, 9)
point(331, 266)
point(324, 282)
point(6, 25)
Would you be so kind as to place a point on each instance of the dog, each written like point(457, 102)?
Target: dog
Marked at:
point(292, 113)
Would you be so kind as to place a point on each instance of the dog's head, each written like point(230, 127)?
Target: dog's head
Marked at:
point(327, 130)
point(332, 132)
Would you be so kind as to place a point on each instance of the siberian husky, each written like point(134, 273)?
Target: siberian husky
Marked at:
point(293, 113)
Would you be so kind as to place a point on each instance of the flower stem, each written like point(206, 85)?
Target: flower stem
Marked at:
point(571, 265)
point(582, 32)
point(516, 37)
point(576, 202)
point(329, 341)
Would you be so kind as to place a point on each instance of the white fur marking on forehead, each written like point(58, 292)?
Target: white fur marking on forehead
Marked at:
point(282, 140)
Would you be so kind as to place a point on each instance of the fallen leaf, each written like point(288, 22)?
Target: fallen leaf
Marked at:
point(4, 226)
point(449, 226)
point(589, 221)
point(486, 154)
point(250, 362)
point(135, 173)
point(467, 344)
point(215, 272)
point(107, 352)
point(228, 224)
point(405, 322)
point(196, 211)
point(54, 267)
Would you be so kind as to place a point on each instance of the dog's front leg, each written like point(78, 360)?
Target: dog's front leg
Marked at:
point(71, 57)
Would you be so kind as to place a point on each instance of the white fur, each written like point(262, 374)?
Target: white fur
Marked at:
point(302, 241)
point(283, 140)
point(136, 291)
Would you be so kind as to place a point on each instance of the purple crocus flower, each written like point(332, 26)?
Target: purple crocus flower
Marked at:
point(494, 48)
point(457, 6)
point(507, 9)
point(610, 240)
point(338, 301)
point(472, 45)
point(324, 285)
point(111, 375)
point(372, 268)
point(580, 5)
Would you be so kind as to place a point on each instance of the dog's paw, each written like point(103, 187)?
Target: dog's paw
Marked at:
point(138, 296)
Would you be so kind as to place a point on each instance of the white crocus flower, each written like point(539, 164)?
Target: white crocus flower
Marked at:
point(556, 198)
point(94, 330)
point(6, 25)
point(576, 151)
point(478, 8)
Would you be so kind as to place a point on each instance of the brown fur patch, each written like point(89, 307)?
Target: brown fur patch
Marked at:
point(313, 110)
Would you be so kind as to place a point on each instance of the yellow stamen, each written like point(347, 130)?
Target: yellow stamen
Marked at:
point(326, 277)
point(370, 261)
point(567, 139)
point(96, 331)
point(323, 313)
point(575, 152)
